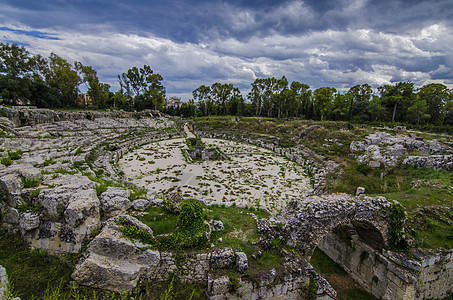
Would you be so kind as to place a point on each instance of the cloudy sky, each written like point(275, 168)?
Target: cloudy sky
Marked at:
point(338, 43)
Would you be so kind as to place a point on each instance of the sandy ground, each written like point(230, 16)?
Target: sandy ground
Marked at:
point(252, 176)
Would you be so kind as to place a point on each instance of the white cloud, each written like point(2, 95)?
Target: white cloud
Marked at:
point(336, 58)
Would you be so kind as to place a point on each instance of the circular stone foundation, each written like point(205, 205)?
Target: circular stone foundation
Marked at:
point(250, 176)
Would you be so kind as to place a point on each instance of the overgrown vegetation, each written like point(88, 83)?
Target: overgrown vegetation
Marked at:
point(191, 231)
point(134, 232)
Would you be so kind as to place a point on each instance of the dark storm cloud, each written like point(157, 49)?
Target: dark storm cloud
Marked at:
point(320, 42)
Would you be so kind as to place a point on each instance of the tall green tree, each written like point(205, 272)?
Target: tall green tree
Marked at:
point(98, 92)
point(64, 79)
point(397, 98)
point(221, 95)
point(143, 88)
point(436, 96)
point(323, 98)
point(202, 94)
point(418, 110)
point(256, 95)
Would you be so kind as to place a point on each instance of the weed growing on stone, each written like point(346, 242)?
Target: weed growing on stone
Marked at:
point(133, 232)
point(31, 182)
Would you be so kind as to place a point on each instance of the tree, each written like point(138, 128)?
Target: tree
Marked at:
point(19, 72)
point(302, 96)
point(98, 92)
point(221, 94)
point(359, 96)
point(436, 96)
point(340, 106)
point(418, 109)
point(256, 95)
point(281, 85)
point(323, 100)
point(376, 110)
point(202, 94)
point(64, 79)
point(397, 98)
point(142, 88)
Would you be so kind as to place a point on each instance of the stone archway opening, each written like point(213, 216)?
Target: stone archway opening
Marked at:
point(344, 256)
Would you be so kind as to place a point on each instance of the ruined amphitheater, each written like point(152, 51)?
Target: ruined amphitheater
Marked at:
point(72, 175)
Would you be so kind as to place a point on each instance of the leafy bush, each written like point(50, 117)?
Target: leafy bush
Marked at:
point(100, 188)
point(396, 235)
point(7, 161)
point(15, 155)
point(138, 193)
point(192, 231)
point(31, 182)
point(133, 232)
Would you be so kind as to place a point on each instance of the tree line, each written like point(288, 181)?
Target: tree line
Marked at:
point(54, 83)
point(277, 98)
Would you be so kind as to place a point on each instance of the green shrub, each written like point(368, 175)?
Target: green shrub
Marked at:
point(31, 182)
point(133, 232)
point(7, 161)
point(15, 155)
point(192, 231)
point(138, 193)
point(396, 235)
point(100, 188)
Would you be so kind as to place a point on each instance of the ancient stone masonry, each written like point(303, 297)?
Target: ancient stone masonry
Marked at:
point(48, 192)
point(116, 263)
point(303, 223)
point(392, 275)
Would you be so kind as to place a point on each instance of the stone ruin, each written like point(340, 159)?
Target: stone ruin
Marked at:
point(200, 153)
point(65, 210)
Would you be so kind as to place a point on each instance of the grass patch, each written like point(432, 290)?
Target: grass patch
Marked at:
point(325, 264)
point(7, 161)
point(31, 182)
point(159, 220)
point(31, 272)
point(138, 193)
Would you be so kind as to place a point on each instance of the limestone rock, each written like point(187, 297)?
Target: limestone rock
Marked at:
point(173, 201)
point(140, 204)
point(360, 191)
point(113, 262)
point(113, 192)
point(12, 216)
point(29, 221)
point(11, 183)
point(219, 286)
point(82, 205)
point(216, 225)
point(222, 258)
point(241, 261)
point(115, 199)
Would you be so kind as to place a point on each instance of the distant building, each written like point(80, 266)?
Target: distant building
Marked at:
point(173, 102)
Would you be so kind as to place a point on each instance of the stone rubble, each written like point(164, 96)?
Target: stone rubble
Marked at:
point(384, 149)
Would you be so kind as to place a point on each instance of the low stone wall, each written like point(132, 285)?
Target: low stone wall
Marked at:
point(392, 275)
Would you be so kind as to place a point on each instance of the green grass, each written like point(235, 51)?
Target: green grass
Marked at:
point(428, 207)
point(346, 288)
point(138, 193)
point(7, 161)
point(31, 271)
point(159, 220)
point(325, 264)
point(35, 275)
point(30, 182)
